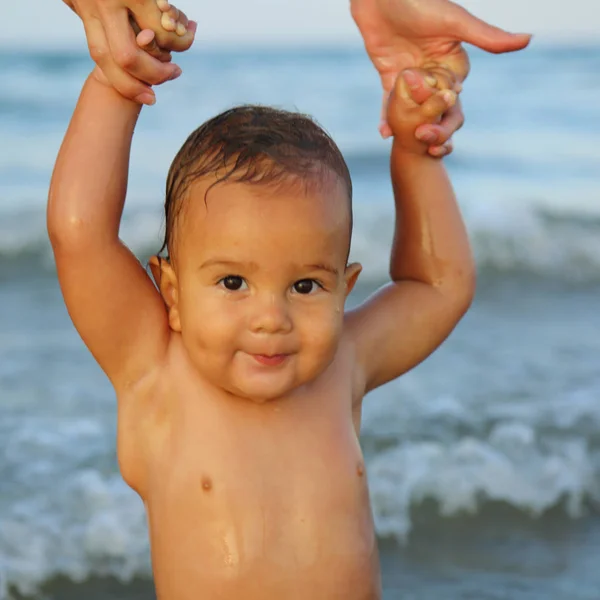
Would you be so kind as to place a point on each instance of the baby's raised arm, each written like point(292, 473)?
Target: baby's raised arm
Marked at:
point(110, 298)
point(431, 270)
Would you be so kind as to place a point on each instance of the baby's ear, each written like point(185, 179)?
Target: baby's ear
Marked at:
point(166, 279)
point(351, 275)
point(154, 263)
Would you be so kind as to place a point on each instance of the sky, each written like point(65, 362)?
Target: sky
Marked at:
point(264, 22)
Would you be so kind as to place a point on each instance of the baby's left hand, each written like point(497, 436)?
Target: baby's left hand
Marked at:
point(405, 116)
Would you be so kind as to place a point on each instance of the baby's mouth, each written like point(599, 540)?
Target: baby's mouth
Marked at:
point(270, 360)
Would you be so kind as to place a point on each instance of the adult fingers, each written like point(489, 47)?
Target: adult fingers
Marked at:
point(129, 57)
point(468, 28)
point(438, 134)
point(387, 82)
point(125, 84)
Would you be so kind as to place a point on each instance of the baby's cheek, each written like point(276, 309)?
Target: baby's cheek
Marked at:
point(210, 323)
point(322, 337)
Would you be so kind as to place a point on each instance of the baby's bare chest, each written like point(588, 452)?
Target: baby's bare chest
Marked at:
point(274, 494)
point(295, 456)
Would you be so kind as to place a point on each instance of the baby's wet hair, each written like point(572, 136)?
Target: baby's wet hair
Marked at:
point(255, 145)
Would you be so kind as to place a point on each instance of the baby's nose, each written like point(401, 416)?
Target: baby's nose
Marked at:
point(270, 315)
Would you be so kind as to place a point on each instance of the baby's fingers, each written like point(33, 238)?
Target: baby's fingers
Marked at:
point(172, 19)
point(433, 109)
point(172, 29)
point(439, 133)
point(440, 77)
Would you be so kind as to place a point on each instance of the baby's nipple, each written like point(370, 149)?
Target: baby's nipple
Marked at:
point(206, 483)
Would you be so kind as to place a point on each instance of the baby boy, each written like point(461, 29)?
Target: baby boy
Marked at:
point(240, 380)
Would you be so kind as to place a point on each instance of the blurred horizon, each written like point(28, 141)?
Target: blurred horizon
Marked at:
point(304, 22)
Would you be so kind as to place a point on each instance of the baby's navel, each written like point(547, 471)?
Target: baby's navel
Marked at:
point(206, 483)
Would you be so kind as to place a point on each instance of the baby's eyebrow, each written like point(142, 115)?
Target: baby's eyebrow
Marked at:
point(252, 266)
point(224, 262)
point(323, 267)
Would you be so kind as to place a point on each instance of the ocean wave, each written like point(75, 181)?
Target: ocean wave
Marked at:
point(534, 238)
point(462, 478)
point(100, 527)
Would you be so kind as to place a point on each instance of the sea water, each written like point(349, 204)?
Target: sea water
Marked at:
point(483, 463)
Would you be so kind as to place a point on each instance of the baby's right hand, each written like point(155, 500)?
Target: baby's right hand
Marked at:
point(172, 20)
point(405, 115)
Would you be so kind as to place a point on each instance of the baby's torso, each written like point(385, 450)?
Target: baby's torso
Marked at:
point(252, 501)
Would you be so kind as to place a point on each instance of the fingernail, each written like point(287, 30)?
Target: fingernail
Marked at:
point(146, 98)
point(176, 73)
point(449, 97)
point(430, 80)
point(181, 30)
point(426, 136)
point(411, 79)
point(439, 151)
point(192, 26)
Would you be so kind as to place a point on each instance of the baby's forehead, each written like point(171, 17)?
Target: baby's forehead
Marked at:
point(209, 200)
point(235, 213)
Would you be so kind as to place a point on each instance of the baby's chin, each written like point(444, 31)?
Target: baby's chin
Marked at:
point(262, 393)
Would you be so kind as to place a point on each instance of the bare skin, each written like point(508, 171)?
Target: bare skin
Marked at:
point(240, 385)
point(111, 41)
point(426, 34)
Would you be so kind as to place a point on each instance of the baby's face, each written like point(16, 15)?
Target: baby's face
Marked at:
point(261, 282)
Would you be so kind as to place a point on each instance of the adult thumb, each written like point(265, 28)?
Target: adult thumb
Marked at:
point(468, 28)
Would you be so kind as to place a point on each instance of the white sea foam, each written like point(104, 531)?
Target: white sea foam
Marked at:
point(95, 520)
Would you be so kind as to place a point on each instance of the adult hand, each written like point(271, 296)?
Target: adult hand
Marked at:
point(112, 42)
point(401, 34)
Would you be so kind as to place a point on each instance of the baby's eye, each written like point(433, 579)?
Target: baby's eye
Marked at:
point(233, 283)
point(306, 286)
